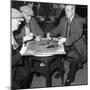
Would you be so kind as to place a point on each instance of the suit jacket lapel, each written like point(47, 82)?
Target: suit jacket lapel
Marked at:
point(65, 26)
point(33, 26)
point(22, 33)
point(30, 26)
point(73, 23)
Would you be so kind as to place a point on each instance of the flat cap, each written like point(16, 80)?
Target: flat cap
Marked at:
point(16, 14)
point(27, 10)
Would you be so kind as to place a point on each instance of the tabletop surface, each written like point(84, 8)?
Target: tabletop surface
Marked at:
point(44, 48)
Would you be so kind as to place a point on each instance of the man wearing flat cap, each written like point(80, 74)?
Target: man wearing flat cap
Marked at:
point(19, 74)
point(31, 27)
point(17, 17)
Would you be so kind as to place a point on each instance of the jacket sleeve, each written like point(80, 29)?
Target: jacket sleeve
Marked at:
point(77, 33)
point(19, 38)
point(36, 28)
point(21, 34)
point(15, 58)
point(57, 30)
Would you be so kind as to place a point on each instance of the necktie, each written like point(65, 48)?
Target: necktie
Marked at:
point(30, 27)
point(68, 29)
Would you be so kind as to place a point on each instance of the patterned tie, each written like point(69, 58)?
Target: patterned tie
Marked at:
point(68, 29)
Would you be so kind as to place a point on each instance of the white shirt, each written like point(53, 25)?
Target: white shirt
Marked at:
point(27, 30)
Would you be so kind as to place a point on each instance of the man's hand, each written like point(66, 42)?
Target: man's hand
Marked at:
point(28, 37)
point(23, 49)
point(38, 38)
point(61, 40)
point(48, 36)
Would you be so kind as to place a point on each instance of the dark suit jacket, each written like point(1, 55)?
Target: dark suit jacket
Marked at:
point(15, 60)
point(16, 56)
point(76, 37)
point(20, 68)
point(34, 27)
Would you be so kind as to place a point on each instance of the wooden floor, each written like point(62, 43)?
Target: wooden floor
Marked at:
point(80, 79)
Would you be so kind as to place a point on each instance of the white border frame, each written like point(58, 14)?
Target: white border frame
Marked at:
point(5, 44)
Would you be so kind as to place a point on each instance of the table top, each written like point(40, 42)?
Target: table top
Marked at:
point(44, 48)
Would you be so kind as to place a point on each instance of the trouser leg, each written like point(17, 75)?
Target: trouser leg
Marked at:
point(73, 67)
point(72, 72)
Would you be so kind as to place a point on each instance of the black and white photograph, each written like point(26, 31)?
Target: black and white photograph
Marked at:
point(49, 44)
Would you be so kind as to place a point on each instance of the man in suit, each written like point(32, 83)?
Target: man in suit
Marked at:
point(20, 74)
point(71, 30)
point(31, 27)
point(17, 17)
